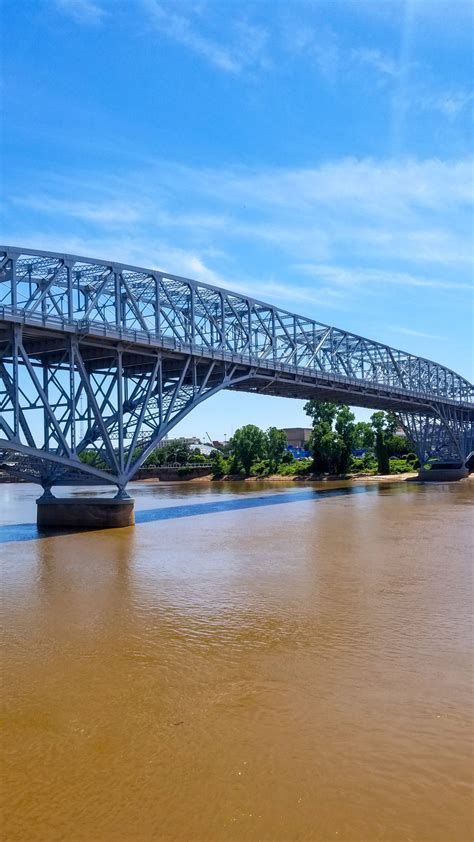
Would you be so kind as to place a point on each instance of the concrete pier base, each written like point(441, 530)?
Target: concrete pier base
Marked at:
point(54, 513)
point(442, 474)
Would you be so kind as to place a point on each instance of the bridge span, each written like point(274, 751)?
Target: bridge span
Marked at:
point(102, 358)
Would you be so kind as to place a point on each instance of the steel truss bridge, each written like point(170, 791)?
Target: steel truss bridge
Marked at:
point(99, 361)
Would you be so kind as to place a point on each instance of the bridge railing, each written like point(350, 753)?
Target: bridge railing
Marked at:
point(91, 296)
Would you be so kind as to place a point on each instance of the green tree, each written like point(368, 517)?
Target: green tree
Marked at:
point(276, 447)
point(363, 435)
point(220, 465)
point(398, 445)
point(384, 426)
point(321, 412)
point(332, 452)
point(248, 445)
point(333, 436)
point(345, 428)
point(173, 452)
point(93, 458)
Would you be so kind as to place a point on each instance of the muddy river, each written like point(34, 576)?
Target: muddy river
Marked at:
point(249, 663)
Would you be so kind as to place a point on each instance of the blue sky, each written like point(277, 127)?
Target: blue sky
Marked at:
point(315, 154)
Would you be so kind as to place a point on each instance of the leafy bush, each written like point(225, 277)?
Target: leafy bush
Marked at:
point(398, 446)
point(370, 464)
point(402, 466)
point(92, 458)
point(365, 465)
point(251, 451)
point(220, 465)
point(297, 468)
point(261, 468)
point(198, 458)
point(173, 452)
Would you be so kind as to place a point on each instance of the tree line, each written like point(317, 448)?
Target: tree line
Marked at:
point(335, 436)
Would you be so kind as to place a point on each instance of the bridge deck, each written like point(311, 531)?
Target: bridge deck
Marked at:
point(99, 361)
point(44, 341)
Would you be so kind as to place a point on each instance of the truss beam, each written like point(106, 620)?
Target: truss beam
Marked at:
point(99, 360)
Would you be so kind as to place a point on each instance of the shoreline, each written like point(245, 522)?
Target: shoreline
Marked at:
point(279, 478)
point(411, 476)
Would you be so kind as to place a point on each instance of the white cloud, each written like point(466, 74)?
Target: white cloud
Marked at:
point(234, 44)
point(319, 236)
point(416, 333)
point(112, 213)
point(82, 11)
point(352, 277)
point(393, 210)
point(442, 19)
point(450, 103)
point(386, 187)
point(150, 253)
point(376, 60)
point(247, 49)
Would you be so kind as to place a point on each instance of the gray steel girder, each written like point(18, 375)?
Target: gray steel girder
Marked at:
point(99, 360)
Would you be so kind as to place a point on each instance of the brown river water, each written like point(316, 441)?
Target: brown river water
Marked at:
point(250, 662)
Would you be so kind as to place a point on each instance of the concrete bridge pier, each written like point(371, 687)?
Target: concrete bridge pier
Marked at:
point(56, 514)
point(443, 472)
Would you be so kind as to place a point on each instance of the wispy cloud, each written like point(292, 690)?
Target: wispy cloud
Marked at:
point(375, 279)
point(323, 48)
point(82, 11)
point(417, 333)
point(112, 213)
point(377, 60)
point(329, 52)
point(246, 50)
point(151, 253)
point(449, 103)
point(235, 43)
point(393, 210)
point(324, 237)
point(383, 186)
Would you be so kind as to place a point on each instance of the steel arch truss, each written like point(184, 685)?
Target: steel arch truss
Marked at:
point(99, 360)
point(446, 433)
point(73, 410)
point(167, 310)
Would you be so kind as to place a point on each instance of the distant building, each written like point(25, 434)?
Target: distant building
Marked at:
point(190, 440)
point(205, 449)
point(298, 436)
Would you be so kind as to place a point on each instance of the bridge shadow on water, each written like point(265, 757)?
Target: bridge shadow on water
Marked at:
point(11, 533)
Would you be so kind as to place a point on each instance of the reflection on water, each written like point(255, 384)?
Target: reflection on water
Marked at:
point(28, 531)
point(246, 663)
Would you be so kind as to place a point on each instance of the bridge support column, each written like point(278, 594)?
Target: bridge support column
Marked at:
point(443, 440)
point(442, 474)
point(56, 514)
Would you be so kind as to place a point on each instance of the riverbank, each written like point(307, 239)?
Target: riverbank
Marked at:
point(186, 480)
point(285, 479)
point(409, 476)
